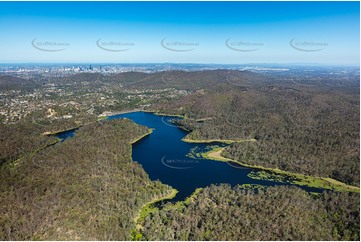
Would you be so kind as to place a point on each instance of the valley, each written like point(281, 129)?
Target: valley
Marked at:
point(192, 141)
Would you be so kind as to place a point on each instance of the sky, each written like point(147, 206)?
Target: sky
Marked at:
point(180, 32)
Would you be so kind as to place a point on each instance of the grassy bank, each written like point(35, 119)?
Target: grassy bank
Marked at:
point(215, 154)
point(298, 179)
point(145, 211)
point(147, 208)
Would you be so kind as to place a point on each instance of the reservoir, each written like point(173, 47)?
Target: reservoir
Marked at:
point(165, 157)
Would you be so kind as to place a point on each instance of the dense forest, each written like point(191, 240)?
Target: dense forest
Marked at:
point(85, 188)
point(313, 131)
point(22, 138)
point(15, 83)
point(18, 140)
point(275, 213)
point(88, 187)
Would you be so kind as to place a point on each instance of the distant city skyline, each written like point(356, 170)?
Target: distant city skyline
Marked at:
point(180, 32)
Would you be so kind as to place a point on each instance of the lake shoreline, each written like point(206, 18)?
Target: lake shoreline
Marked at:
point(49, 133)
point(142, 136)
point(145, 211)
point(300, 179)
point(113, 113)
point(305, 180)
point(102, 116)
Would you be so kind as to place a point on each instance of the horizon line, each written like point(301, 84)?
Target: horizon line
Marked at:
point(179, 63)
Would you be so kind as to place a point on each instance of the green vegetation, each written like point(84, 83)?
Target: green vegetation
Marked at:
point(202, 153)
point(180, 204)
point(311, 131)
point(264, 175)
point(78, 125)
point(251, 186)
point(21, 139)
point(293, 178)
point(273, 213)
point(149, 208)
point(85, 188)
point(314, 132)
point(141, 137)
point(88, 187)
point(215, 154)
point(188, 139)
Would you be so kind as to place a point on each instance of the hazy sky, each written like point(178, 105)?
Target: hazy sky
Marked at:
point(180, 32)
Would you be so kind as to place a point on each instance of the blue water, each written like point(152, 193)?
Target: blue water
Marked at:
point(66, 134)
point(163, 155)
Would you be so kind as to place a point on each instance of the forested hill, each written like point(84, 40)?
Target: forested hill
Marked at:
point(311, 129)
point(86, 188)
point(275, 213)
point(303, 123)
point(197, 79)
point(15, 83)
point(170, 79)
